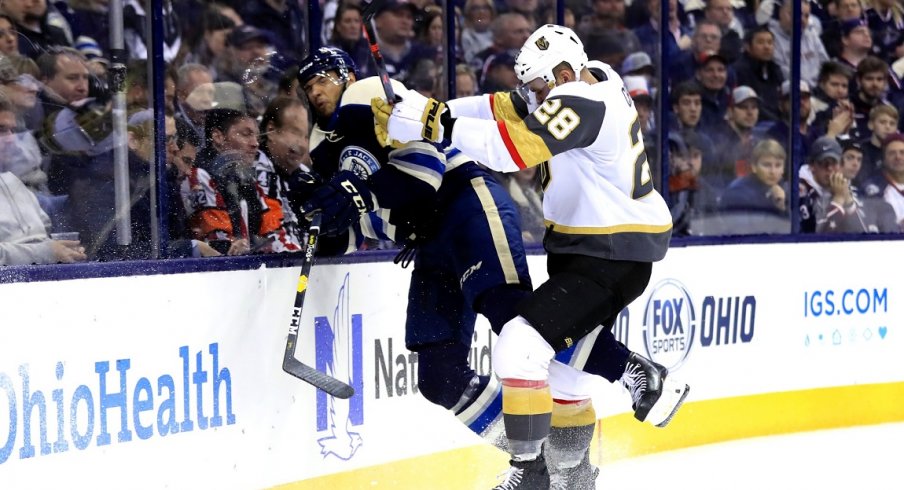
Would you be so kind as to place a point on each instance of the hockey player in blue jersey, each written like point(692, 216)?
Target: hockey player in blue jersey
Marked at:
point(465, 230)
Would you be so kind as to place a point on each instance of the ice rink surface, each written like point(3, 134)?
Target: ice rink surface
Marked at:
point(867, 457)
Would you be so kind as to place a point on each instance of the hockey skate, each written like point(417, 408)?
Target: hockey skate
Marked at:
point(526, 475)
point(581, 477)
point(656, 396)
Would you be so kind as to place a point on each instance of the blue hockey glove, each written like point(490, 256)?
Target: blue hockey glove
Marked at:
point(341, 202)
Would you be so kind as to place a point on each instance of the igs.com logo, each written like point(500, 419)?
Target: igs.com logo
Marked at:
point(671, 324)
point(339, 353)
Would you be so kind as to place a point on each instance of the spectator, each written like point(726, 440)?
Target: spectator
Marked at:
point(549, 15)
point(682, 185)
point(36, 35)
point(607, 17)
point(226, 205)
point(831, 31)
point(639, 64)
point(707, 38)
point(136, 37)
point(138, 94)
point(872, 85)
point(762, 192)
point(9, 40)
point(648, 33)
point(64, 74)
point(780, 131)
point(639, 89)
point(883, 122)
point(510, 31)
point(499, 74)
point(734, 137)
point(283, 157)
point(722, 14)
point(20, 155)
point(856, 42)
point(832, 87)
point(687, 106)
point(22, 91)
point(394, 21)
point(825, 194)
point(211, 44)
point(812, 52)
point(284, 19)
point(24, 237)
point(527, 8)
point(888, 184)
point(886, 21)
point(851, 157)
point(757, 70)
point(91, 18)
point(712, 76)
point(424, 78)
point(476, 34)
point(190, 78)
point(94, 56)
point(465, 81)
point(247, 63)
point(348, 36)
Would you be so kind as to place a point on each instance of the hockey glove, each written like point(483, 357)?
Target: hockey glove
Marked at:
point(415, 117)
point(341, 202)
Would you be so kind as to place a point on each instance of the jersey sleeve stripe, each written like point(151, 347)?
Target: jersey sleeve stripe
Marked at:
point(493, 105)
point(504, 108)
point(510, 145)
point(520, 140)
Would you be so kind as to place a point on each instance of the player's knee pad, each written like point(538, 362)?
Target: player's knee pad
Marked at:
point(567, 307)
point(443, 373)
point(521, 352)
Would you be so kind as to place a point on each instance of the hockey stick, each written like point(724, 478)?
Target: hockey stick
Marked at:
point(291, 365)
point(371, 35)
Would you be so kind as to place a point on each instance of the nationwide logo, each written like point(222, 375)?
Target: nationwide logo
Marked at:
point(672, 326)
point(338, 345)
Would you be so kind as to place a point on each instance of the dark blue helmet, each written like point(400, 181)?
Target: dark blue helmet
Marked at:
point(324, 60)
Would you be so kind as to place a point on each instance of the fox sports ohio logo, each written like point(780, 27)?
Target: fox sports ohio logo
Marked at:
point(669, 324)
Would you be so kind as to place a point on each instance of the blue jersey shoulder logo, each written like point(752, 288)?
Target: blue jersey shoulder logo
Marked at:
point(359, 161)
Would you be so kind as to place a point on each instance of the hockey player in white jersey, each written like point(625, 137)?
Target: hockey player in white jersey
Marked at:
point(606, 224)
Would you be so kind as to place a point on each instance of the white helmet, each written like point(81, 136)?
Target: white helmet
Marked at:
point(548, 46)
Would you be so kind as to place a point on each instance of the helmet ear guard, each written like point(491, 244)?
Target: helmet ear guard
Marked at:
point(545, 49)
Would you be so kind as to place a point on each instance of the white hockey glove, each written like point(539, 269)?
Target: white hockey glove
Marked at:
point(414, 118)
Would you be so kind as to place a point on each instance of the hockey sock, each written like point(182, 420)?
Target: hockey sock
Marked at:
point(480, 407)
point(573, 422)
point(527, 413)
point(608, 357)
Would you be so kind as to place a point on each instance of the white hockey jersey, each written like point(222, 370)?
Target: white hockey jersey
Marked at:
point(598, 198)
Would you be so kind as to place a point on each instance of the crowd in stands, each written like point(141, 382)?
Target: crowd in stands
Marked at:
point(236, 129)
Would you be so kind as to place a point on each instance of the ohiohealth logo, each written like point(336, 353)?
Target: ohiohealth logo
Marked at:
point(669, 322)
point(338, 346)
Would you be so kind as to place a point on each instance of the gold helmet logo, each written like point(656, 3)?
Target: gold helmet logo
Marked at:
point(542, 43)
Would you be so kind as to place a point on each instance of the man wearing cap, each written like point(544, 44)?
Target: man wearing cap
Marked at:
point(828, 203)
point(856, 42)
point(734, 136)
point(248, 64)
point(712, 76)
point(757, 69)
point(394, 22)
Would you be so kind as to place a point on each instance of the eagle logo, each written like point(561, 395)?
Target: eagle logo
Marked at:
point(542, 43)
